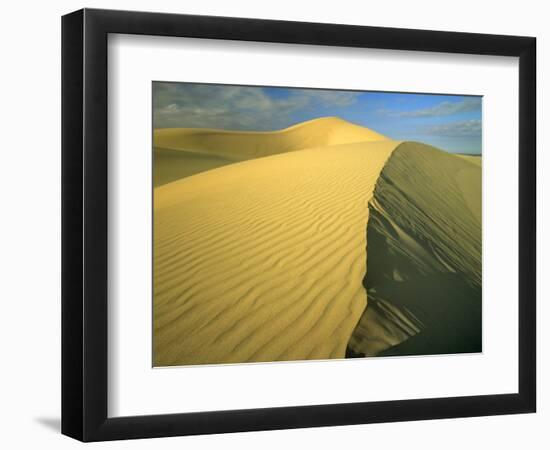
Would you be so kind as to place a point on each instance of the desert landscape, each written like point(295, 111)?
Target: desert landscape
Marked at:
point(321, 240)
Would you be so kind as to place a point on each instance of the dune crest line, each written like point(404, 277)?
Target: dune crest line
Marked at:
point(180, 152)
point(423, 273)
point(263, 260)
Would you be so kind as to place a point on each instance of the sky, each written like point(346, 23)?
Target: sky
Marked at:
point(449, 122)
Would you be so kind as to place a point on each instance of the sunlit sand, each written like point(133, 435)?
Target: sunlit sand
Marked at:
point(323, 240)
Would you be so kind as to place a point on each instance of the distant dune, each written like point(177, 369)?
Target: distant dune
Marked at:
point(475, 159)
point(171, 165)
point(324, 240)
point(181, 152)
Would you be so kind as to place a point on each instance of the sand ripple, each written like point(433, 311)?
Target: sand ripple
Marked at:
point(263, 260)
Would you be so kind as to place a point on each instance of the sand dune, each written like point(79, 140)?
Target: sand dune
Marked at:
point(474, 159)
point(423, 278)
point(323, 240)
point(204, 149)
point(263, 260)
point(171, 165)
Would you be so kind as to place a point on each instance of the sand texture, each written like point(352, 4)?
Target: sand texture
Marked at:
point(423, 277)
point(263, 260)
point(180, 152)
point(324, 240)
point(171, 165)
point(474, 159)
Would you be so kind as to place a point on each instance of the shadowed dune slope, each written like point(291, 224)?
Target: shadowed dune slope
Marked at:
point(204, 149)
point(263, 260)
point(171, 165)
point(424, 257)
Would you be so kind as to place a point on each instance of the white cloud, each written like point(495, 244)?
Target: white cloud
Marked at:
point(445, 108)
point(464, 128)
point(236, 107)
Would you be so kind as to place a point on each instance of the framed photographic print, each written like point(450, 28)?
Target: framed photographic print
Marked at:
point(274, 225)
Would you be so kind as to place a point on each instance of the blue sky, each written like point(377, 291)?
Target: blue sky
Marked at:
point(450, 122)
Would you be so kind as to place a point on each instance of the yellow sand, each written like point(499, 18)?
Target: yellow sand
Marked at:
point(181, 152)
point(474, 159)
point(263, 260)
point(252, 144)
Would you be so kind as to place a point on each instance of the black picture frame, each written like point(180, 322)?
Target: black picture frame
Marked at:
point(84, 224)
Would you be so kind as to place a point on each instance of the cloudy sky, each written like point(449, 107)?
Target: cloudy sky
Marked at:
point(450, 122)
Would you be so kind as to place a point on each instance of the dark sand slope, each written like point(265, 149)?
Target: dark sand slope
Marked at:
point(171, 165)
point(423, 276)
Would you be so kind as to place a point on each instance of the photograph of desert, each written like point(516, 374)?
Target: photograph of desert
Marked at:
point(309, 224)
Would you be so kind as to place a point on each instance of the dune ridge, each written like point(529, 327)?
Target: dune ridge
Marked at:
point(323, 240)
point(320, 132)
point(180, 152)
point(423, 274)
point(474, 159)
point(263, 260)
